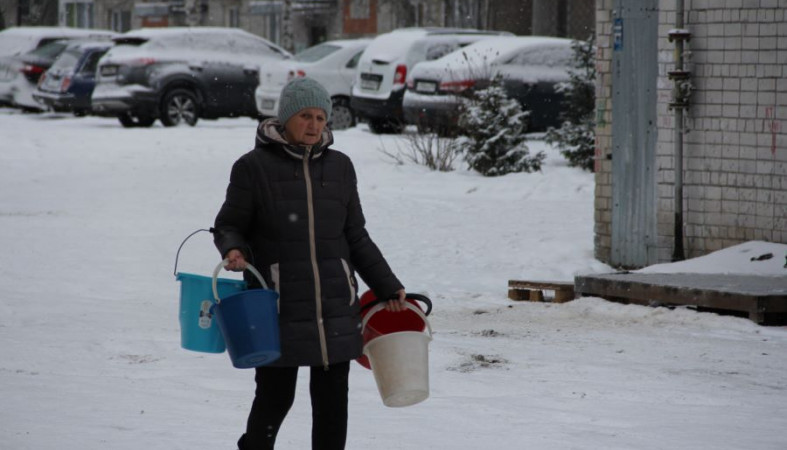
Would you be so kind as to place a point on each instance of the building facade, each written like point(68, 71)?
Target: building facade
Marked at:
point(297, 24)
point(730, 184)
point(566, 18)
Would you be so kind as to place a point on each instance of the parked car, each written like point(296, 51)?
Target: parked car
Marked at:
point(379, 83)
point(23, 58)
point(530, 66)
point(178, 75)
point(69, 83)
point(34, 65)
point(332, 63)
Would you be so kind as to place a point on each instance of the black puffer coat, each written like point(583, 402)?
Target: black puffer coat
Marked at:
point(295, 214)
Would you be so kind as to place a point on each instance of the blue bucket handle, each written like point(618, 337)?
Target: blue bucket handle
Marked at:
point(223, 264)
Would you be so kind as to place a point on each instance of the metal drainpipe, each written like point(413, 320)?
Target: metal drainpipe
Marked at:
point(680, 94)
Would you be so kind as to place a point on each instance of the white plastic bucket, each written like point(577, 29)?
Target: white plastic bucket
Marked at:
point(400, 362)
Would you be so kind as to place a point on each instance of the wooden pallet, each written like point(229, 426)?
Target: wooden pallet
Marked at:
point(761, 299)
point(534, 290)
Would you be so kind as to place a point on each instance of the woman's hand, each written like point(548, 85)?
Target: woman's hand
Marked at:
point(397, 304)
point(236, 261)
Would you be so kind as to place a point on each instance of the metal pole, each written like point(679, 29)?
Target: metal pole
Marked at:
point(678, 253)
point(287, 39)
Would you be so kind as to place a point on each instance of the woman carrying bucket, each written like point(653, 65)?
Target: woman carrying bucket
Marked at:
point(292, 210)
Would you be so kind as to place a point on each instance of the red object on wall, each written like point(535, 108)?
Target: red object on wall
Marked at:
point(155, 22)
point(360, 17)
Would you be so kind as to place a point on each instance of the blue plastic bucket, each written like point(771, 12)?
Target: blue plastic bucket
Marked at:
point(249, 322)
point(199, 331)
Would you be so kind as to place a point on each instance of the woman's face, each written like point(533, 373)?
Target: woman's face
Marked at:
point(305, 127)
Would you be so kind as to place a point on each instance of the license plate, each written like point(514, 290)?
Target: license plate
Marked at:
point(51, 83)
point(370, 85)
point(426, 86)
point(268, 103)
point(109, 71)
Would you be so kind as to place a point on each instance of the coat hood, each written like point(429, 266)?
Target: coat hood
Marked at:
point(271, 131)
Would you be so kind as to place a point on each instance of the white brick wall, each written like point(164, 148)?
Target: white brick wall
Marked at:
point(735, 147)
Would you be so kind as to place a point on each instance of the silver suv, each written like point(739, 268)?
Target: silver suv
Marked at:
point(178, 75)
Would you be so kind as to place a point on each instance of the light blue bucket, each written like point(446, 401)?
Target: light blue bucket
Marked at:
point(199, 330)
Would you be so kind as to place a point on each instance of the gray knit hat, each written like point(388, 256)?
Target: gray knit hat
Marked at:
point(300, 93)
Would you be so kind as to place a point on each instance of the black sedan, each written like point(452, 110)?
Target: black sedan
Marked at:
point(531, 67)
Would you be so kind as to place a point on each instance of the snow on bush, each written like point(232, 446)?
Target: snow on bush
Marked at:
point(576, 138)
point(493, 127)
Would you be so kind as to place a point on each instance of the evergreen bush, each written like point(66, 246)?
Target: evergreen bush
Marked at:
point(576, 138)
point(493, 127)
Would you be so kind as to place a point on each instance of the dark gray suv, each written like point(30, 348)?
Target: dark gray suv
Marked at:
point(178, 75)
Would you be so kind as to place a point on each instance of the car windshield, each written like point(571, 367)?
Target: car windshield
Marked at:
point(130, 41)
point(67, 60)
point(543, 56)
point(483, 52)
point(49, 51)
point(316, 53)
point(250, 45)
point(390, 47)
point(91, 63)
point(353, 63)
point(490, 51)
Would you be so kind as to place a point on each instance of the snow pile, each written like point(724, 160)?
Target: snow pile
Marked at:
point(749, 258)
point(92, 215)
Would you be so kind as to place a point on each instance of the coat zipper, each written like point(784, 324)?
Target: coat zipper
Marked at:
point(349, 281)
point(313, 252)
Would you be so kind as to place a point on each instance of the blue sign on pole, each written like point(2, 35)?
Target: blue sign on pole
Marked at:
point(617, 34)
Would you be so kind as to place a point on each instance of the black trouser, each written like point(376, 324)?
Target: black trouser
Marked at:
point(275, 394)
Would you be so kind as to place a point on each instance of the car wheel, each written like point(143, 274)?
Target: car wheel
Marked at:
point(31, 110)
point(179, 105)
point(131, 121)
point(342, 116)
point(385, 126)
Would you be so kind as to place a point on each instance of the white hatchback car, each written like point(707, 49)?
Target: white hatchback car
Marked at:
point(331, 63)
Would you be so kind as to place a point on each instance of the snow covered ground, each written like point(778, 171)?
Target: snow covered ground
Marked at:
point(91, 215)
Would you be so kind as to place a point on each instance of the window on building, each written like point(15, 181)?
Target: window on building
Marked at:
point(233, 17)
point(120, 21)
point(360, 9)
point(462, 13)
point(273, 28)
point(79, 14)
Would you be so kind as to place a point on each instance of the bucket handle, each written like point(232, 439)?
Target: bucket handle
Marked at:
point(177, 255)
point(379, 307)
point(421, 298)
point(221, 265)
